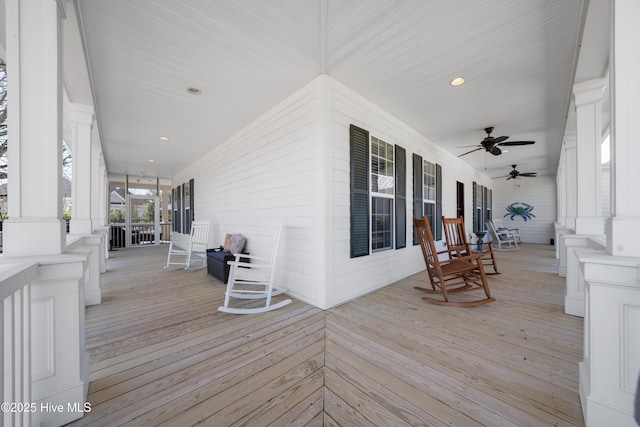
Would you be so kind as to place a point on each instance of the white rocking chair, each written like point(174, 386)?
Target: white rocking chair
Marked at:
point(198, 242)
point(515, 232)
point(253, 280)
point(502, 237)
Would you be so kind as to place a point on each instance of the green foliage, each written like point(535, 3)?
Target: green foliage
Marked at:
point(117, 216)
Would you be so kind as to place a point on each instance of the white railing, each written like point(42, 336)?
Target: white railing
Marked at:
point(15, 354)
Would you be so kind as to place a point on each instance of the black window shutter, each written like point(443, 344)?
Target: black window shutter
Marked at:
point(177, 209)
point(359, 150)
point(191, 202)
point(184, 209)
point(401, 197)
point(489, 206)
point(417, 193)
point(476, 217)
point(438, 202)
point(173, 206)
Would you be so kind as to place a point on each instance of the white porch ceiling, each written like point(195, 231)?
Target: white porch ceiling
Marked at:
point(245, 56)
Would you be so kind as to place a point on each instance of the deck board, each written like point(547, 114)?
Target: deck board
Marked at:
point(161, 353)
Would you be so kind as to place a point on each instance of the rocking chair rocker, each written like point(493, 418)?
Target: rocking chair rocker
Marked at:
point(462, 274)
point(253, 280)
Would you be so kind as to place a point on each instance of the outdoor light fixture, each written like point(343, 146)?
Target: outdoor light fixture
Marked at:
point(194, 91)
point(164, 138)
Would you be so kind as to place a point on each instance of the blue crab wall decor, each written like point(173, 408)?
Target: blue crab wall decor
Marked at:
point(520, 209)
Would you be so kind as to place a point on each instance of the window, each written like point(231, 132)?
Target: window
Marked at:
point(382, 192)
point(482, 202)
point(427, 195)
point(378, 194)
point(182, 204)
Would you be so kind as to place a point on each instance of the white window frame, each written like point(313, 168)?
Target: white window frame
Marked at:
point(429, 188)
point(385, 181)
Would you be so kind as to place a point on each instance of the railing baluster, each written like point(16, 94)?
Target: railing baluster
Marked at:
point(15, 356)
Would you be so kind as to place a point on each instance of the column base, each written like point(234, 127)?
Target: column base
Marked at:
point(623, 235)
point(590, 225)
point(32, 237)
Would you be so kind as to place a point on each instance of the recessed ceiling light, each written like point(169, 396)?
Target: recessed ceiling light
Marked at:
point(457, 81)
point(194, 91)
point(164, 138)
point(151, 161)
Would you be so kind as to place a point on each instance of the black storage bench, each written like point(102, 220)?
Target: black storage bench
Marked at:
point(217, 263)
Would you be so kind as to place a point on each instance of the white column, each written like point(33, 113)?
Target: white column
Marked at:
point(588, 100)
point(571, 180)
point(35, 225)
point(571, 201)
point(81, 118)
point(98, 197)
point(561, 196)
point(623, 227)
point(611, 365)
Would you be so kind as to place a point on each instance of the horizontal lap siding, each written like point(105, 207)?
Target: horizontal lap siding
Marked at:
point(357, 276)
point(269, 172)
point(540, 192)
point(265, 174)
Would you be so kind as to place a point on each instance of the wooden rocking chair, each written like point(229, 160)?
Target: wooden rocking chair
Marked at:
point(458, 246)
point(253, 280)
point(198, 242)
point(462, 274)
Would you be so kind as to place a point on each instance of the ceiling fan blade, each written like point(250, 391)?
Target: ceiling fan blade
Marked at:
point(467, 146)
point(516, 143)
point(499, 139)
point(532, 174)
point(495, 151)
point(510, 177)
point(464, 154)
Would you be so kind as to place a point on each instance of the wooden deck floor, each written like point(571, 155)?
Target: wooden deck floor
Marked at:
point(161, 354)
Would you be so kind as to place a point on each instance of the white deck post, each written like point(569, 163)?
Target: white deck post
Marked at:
point(588, 100)
point(59, 372)
point(611, 365)
point(34, 76)
point(571, 190)
point(588, 221)
point(81, 118)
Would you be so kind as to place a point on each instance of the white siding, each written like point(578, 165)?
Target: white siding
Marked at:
point(540, 192)
point(292, 165)
point(265, 174)
point(356, 276)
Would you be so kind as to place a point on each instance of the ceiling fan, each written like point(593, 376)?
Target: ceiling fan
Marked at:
point(492, 144)
point(515, 173)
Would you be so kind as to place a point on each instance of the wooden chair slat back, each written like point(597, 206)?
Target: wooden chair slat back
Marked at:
point(423, 229)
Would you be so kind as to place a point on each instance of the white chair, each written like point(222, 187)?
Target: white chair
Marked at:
point(253, 280)
point(500, 225)
point(501, 237)
point(198, 242)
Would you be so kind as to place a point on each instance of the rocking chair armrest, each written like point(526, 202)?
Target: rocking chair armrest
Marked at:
point(470, 257)
point(251, 257)
point(239, 263)
point(490, 244)
point(245, 264)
